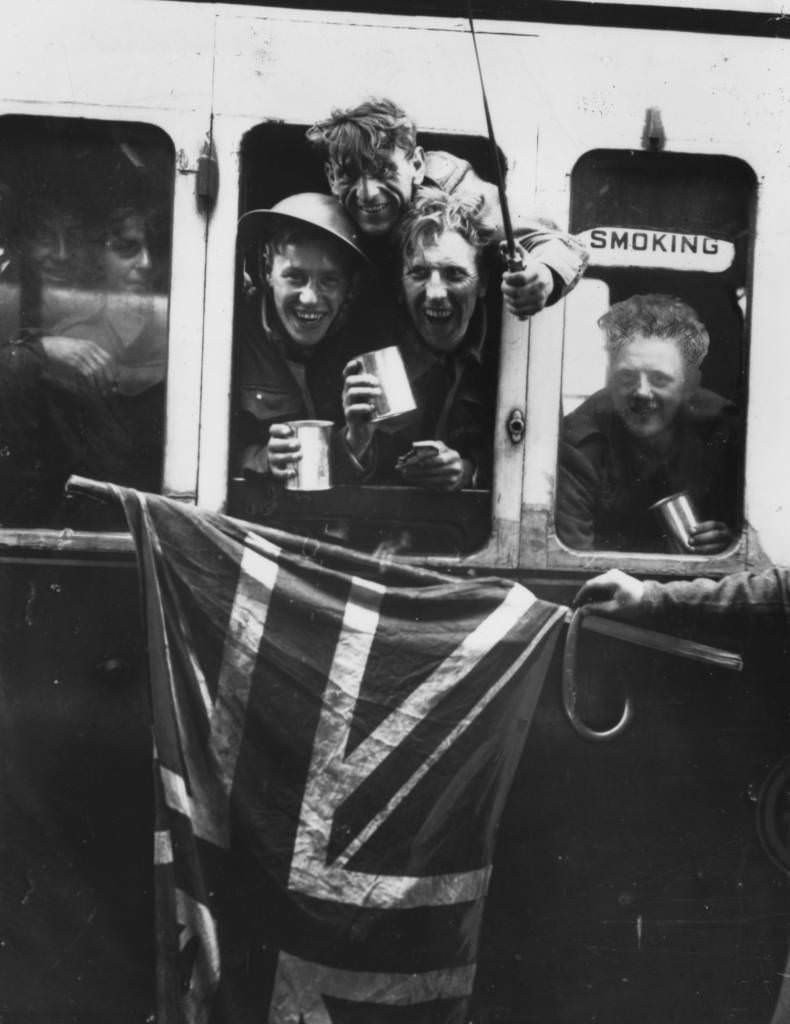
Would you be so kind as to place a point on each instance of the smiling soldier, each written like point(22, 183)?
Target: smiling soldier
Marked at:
point(651, 432)
point(293, 338)
point(443, 278)
point(376, 169)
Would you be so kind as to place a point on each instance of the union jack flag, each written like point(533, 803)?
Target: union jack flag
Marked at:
point(334, 740)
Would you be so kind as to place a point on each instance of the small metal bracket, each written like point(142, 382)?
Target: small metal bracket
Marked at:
point(654, 137)
point(207, 176)
point(516, 425)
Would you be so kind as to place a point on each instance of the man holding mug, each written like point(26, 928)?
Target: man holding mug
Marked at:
point(443, 342)
point(294, 337)
point(650, 433)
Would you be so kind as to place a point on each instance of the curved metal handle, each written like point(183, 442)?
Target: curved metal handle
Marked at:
point(569, 689)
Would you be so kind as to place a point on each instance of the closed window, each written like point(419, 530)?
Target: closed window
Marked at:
point(85, 226)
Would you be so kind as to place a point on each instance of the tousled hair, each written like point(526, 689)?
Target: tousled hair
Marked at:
point(357, 137)
point(660, 316)
point(434, 212)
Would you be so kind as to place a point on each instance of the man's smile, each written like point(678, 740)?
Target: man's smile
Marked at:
point(309, 316)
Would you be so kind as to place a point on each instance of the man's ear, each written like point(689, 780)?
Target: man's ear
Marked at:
point(266, 265)
point(418, 165)
point(331, 177)
point(263, 265)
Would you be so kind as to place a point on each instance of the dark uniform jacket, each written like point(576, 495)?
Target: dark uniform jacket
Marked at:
point(455, 399)
point(607, 484)
point(274, 387)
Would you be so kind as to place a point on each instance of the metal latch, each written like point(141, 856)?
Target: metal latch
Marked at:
point(515, 426)
point(654, 137)
point(207, 176)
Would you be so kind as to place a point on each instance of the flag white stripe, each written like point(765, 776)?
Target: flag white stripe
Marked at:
point(300, 987)
point(245, 630)
point(323, 787)
point(163, 847)
point(195, 921)
point(375, 823)
point(405, 718)
point(330, 783)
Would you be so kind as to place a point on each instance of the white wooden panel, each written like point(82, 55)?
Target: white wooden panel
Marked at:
point(555, 93)
point(127, 53)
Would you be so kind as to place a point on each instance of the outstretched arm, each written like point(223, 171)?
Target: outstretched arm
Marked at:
point(752, 607)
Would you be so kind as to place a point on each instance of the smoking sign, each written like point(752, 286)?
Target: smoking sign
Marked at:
point(643, 247)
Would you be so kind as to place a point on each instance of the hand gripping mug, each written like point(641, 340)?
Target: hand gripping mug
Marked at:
point(314, 469)
point(678, 519)
point(396, 397)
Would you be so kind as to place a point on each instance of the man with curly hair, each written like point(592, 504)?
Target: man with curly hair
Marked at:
point(651, 432)
point(376, 169)
point(442, 241)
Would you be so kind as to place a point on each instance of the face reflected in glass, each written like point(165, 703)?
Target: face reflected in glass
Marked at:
point(376, 197)
point(441, 286)
point(127, 257)
point(309, 284)
point(56, 246)
point(649, 381)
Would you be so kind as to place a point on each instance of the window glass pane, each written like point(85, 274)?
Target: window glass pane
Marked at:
point(654, 379)
point(584, 364)
point(306, 308)
point(85, 216)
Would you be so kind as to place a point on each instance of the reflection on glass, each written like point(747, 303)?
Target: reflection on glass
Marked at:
point(83, 311)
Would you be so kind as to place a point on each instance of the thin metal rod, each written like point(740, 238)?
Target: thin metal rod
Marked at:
point(663, 642)
point(500, 171)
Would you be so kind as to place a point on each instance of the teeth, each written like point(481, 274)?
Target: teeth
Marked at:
point(309, 317)
point(438, 314)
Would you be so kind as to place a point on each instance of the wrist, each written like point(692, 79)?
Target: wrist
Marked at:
point(358, 440)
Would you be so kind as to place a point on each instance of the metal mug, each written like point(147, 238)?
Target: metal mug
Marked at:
point(678, 519)
point(396, 397)
point(314, 469)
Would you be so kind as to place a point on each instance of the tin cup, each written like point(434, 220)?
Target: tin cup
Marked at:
point(677, 518)
point(396, 397)
point(314, 469)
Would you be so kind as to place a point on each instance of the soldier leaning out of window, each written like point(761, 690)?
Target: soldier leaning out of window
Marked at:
point(650, 433)
point(295, 335)
point(446, 354)
point(376, 169)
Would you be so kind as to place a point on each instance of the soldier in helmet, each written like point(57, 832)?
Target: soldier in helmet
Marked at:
point(293, 338)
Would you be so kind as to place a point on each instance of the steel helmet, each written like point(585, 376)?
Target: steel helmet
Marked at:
point(315, 208)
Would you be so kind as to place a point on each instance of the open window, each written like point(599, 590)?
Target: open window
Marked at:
point(654, 399)
point(85, 226)
point(277, 162)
